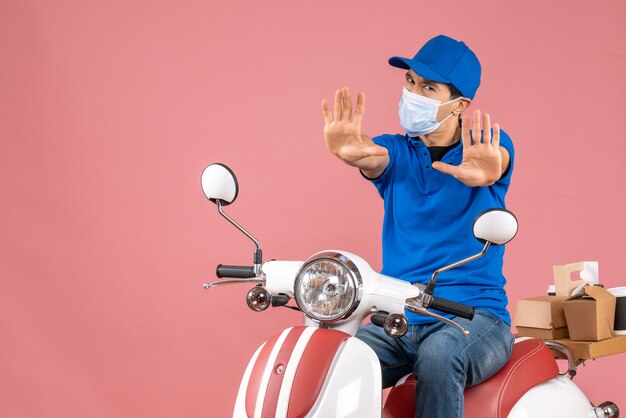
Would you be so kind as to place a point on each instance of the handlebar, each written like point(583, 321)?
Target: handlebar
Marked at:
point(450, 307)
point(240, 272)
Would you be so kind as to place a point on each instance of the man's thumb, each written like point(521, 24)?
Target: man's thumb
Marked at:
point(445, 168)
point(376, 151)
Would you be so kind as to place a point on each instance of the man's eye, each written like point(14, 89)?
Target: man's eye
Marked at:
point(409, 80)
point(427, 87)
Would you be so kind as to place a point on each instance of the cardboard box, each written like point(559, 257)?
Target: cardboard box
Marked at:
point(564, 285)
point(591, 315)
point(541, 317)
point(584, 350)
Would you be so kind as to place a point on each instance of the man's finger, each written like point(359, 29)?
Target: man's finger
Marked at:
point(347, 104)
point(337, 105)
point(360, 108)
point(465, 132)
point(496, 135)
point(327, 117)
point(487, 128)
point(476, 127)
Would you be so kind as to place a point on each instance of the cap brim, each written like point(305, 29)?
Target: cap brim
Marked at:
point(420, 68)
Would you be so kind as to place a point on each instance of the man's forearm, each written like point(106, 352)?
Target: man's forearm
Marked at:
point(372, 167)
point(375, 168)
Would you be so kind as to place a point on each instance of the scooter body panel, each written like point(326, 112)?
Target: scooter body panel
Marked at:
point(556, 398)
point(333, 392)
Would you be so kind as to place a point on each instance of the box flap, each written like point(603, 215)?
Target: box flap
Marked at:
point(598, 293)
point(595, 292)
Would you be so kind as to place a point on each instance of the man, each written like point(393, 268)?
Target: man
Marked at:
point(434, 181)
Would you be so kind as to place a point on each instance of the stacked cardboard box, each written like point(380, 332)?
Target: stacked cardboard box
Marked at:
point(591, 315)
point(588, 315)
point(541, 317)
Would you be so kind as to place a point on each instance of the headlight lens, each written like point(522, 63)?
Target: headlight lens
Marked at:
point(328, 287)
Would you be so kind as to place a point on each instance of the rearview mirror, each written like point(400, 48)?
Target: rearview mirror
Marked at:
point(497, 226)
point(219, 183)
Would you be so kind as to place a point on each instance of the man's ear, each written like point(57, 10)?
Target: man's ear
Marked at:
point(461, 105)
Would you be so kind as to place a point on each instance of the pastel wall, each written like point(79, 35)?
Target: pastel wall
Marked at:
point(109, 111)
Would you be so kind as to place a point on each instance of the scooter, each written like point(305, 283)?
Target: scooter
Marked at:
point(321, 370)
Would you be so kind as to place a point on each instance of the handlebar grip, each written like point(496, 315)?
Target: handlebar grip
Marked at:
point(239, 272)
point(280, 300)
point(453, 308)
point(379, 318)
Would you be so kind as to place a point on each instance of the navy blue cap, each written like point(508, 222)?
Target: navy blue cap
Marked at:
point(445, 60)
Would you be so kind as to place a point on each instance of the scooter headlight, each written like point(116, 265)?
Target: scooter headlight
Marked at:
point(328, 288)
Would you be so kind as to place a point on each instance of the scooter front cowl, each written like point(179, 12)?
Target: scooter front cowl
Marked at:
point(311, 372)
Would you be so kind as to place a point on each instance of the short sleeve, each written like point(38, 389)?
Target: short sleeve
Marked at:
point(507, 143)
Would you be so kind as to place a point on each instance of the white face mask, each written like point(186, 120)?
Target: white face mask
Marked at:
point(418, 113)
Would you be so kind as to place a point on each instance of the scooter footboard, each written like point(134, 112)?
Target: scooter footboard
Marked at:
point(311, 372)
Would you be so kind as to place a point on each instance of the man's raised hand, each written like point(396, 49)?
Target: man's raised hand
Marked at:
point(342, 132)
point(484, 160)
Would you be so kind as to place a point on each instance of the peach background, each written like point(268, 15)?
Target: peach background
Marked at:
point(109, 111)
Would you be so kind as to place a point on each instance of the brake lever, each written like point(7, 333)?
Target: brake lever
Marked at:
point(416, 307)
point(256, 280)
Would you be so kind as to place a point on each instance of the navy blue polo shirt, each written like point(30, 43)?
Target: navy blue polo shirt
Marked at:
point(428, 224)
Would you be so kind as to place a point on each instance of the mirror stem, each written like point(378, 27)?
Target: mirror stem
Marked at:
point(258, 253)
point(430, 288)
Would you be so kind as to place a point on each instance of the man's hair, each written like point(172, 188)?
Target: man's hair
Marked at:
point(454, 92)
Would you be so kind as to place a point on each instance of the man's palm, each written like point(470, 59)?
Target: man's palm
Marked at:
point(343, 132)
point(482, 158)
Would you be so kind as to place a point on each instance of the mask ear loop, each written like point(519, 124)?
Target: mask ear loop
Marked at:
point(451, 113)
point(450, 101)
point(446, 118)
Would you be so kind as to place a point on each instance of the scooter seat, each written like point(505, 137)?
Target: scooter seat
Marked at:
point(531, 363)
